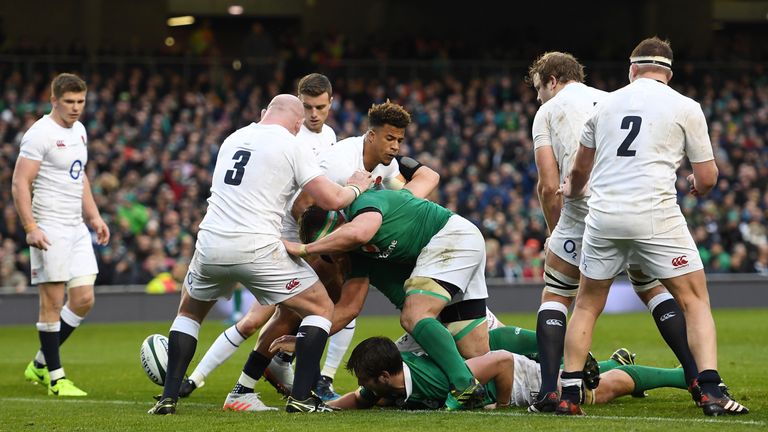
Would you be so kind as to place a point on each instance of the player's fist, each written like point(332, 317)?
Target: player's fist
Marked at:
point(692, 181)
point(37, 238)
point(360, 179)
point(101, 229)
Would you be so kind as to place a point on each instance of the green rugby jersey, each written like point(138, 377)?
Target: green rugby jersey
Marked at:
point(426, 384)
point(408, 223)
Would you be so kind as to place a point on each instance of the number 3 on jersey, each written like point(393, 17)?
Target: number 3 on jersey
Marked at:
point(235, 176)
point(633, 124)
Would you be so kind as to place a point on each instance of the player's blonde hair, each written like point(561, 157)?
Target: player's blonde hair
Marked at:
point(563, 66)
point(65, 83)
point(388, 113)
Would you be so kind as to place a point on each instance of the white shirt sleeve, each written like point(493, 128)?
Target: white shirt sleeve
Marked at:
point(541, 133)
point(698, 147)
point(34, 146)
point(588, 131)
point(305, 167)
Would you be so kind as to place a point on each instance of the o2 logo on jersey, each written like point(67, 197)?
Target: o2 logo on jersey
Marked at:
point(76, 169)
point(570, 248)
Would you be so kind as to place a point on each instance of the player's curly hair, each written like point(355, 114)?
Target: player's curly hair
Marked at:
point(388, 113)
point(65, 83)
point(563, 66)
point(314, 85)
point(653, 46)
point(373, 356)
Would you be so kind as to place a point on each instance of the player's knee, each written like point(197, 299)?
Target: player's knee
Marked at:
point(408, 321)
point(82, 304)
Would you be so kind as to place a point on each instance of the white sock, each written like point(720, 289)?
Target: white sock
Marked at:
point(56, 374)
point(337, 347)
point(70, 317)
point(40, 358)
point(247, 381)
point(223, 347)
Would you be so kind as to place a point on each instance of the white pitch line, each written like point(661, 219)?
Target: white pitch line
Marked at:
point(722, 421)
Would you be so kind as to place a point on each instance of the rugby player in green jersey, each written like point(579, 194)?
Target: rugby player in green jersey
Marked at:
point(393, 230)
point(388, 377)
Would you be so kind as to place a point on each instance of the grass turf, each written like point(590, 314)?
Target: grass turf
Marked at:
point(103, 359)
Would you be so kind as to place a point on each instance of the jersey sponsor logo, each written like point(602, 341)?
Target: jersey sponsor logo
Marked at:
point(680, 261)
point(76, 169)
point(60, 144)
point(667, 316)
point(391, 248)
point(554, 322)
point(292, 284)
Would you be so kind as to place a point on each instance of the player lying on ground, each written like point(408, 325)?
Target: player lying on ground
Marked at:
point(411, 381)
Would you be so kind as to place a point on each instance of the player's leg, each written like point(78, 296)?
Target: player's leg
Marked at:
point(226, 344)
point(515, 340)
point(632, 379)
point(601, 260)
point(279, 372)
point(48, 327)
point(337, 347)
point(668, 317)
point(675, 261)
point(316, 308)
point(466, 321)
point(561, 279)
point(282, 322)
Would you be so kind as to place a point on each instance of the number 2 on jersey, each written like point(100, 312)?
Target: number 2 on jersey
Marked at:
point(633, 124)
point(235, 176)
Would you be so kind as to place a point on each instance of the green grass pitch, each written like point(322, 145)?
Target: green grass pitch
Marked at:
point(104, 360)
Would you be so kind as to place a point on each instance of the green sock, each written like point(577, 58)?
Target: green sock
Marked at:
point(237, 301)
point(515, 340)
point(438, 342)
point(607, 365)
point(648, 378)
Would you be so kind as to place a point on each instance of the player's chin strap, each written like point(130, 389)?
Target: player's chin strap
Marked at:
point(331, 220)
point(652, 60)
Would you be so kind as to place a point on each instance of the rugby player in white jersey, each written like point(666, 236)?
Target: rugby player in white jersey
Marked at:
point(632, 145)
point(258, 169)
point(54, 201)
point(315, 93)
point(376, 150)
point(566, 106)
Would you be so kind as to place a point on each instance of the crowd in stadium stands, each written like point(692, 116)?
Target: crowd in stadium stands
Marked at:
point(153, 140)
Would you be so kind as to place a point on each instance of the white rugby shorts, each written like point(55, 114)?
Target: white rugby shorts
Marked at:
point(662, 257)
point(70, 254)
point(272, 277)
point(456, 254)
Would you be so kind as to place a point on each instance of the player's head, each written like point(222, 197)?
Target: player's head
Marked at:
point(316, 223)
point(549, 73)
point(387, 123)
point(316, 95)
point(652, 56)
point(284, 110)
point(374, 362)
point(67, 98)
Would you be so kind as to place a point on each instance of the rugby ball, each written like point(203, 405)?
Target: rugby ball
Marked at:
point(154, 357)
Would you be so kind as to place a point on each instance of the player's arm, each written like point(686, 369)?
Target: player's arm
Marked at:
point(498, 366)
point(330, 196)
point(420, 179)
point(353, 400)
point(91, 213)
point(548, 185)
point(704, 177)
point(21, 189)
point(576, 184)
point(349, 237)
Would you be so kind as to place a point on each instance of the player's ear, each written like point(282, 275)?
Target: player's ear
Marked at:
point(669, 75)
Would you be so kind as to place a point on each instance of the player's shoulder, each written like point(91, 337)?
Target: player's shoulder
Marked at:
point(348, 146)
point(40, 129)
point(328, 133)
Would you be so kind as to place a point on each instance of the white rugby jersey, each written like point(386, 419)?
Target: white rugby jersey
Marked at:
point(346, 157)
point(57, 191)
point(319, 143)
point(258, 169)
point(558, 123)
point(640, 133)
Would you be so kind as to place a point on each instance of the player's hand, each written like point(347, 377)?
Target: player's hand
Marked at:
point(101, 229)
point(37, 238)
point(286, 343)
point(361, 179)
point(692, 181)
point(293, 248)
